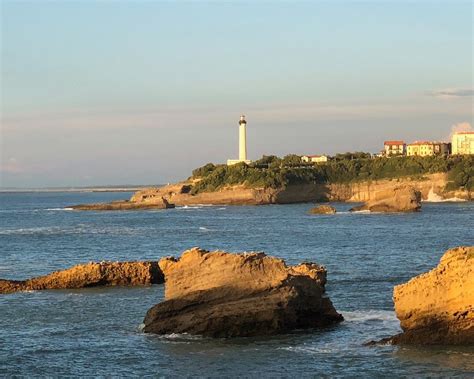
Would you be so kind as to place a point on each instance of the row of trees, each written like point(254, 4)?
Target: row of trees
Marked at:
point(272, 171)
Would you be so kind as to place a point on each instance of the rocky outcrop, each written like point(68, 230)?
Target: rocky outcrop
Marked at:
point(219, 294)
point(322, 210)
point(181, 194)
point(158, 203)
point(438, 307)
point(90, 275)
point(399, 199)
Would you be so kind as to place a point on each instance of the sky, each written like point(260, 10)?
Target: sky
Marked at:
point(143, 92)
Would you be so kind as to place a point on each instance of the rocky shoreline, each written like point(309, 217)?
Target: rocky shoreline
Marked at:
point(180, 194)
point(92, 274)
point(220, 294)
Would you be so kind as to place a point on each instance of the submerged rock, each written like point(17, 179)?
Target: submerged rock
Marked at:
point(90, 275)
point(322, 210)
point(398, 199)
point(220, 294)
point(438, 307)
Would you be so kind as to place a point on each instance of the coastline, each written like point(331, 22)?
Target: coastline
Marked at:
point(179, 194)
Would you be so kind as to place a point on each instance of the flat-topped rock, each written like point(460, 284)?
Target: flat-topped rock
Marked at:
point(90, 275)
point(124, 205)
point(398, 199)
point(438, 307)
point(220, 294)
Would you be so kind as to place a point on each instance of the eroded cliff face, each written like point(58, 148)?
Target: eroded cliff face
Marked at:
point(90, 275)
point(365, 191)
point(403, 198)
point(438, 307)
point(220, 294)
point(353, 192)
point(179, 194)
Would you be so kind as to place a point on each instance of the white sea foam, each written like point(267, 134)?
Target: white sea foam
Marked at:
point(59, 209)
point(188, 207)
point(369, 315)
point(435, 198)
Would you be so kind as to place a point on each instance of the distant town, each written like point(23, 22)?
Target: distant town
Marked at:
point(462, 143)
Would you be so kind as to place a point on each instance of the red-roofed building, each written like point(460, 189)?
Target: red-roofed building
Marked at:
point(392, 148)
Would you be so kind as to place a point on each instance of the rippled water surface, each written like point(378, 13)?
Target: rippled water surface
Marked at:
point(97, 331)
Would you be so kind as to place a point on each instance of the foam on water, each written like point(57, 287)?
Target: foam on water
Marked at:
point(435, 198)
point(369, 315)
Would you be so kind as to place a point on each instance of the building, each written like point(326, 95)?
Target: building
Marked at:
point(462, 143)
point(392, 148)
point(314, 158)
point(427, 148)
point(242, 143)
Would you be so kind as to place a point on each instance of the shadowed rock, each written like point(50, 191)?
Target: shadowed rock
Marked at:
point(219, 294)
point(398, 199)
point(124, 205)
point(322, 210)
point(438, 307)
point(90, 275)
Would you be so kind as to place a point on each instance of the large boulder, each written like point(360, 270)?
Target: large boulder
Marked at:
point(399, 199)
point(219, 294)
point(90, 275)
point(322, 210)
point(438, 307)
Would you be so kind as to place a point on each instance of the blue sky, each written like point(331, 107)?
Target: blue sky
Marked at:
point(143, 92)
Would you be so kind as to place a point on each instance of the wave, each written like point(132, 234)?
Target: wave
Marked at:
point(59, 209)
point(78, 229)
point(188, 207)
point(369, 315)
point(435, 198)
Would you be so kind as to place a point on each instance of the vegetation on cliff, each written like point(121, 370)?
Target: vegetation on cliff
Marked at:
point(274, 172)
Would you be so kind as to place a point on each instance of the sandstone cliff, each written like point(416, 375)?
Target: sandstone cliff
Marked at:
point(220, 294)
point(90, 275)
point(438, 307)
point(180, 194)
point(399, 199)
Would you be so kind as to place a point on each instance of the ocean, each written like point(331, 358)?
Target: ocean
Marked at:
point(97, 331)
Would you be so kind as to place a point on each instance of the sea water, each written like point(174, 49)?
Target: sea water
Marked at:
point(97, 331)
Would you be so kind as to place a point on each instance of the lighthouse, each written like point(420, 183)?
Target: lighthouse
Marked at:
point(242, 143)
point(242, 139)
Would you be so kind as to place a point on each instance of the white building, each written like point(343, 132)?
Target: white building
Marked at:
point(242, 143)
point(462, 143)
point(314, 158)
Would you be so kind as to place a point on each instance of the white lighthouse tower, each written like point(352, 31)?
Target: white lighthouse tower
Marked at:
point(242, 143)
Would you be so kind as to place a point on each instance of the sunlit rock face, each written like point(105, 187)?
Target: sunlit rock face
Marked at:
point(220, 294)
point(90, 275)
point(438, 307)
point(399, 199)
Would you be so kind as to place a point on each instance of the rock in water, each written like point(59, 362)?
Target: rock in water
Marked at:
point(322, 210)
point(438, 307)
point(398, 199)
point(219, 294)
point(125, 205)
point(90, 275)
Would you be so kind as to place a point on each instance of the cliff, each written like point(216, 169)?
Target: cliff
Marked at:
point(438, 307)
point(220, 294)
point(180, 194)
point(403, 198)
point(90, 275)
